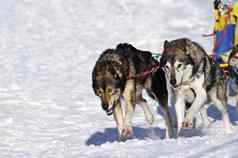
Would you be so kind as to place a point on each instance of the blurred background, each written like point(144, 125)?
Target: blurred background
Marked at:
point(48, 47)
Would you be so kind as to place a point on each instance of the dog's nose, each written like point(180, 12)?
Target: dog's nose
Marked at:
point(173, 82)
point(104, 107)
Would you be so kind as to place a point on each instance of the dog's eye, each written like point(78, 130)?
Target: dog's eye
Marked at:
point(109, 91)
point(100, 92)
point(179, 66)
point(167, 67)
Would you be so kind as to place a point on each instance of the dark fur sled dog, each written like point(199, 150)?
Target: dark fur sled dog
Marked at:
point(113, 79)
point(189, 67)
point(233, 67)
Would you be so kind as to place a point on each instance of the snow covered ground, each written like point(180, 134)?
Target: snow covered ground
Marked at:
point(47, 51)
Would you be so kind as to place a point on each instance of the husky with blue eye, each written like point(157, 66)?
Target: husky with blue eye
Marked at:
point(117, 75)
point(189, 67)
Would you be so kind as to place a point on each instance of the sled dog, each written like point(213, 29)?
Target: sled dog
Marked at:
point(189, 67)
point(233, 69)
point(114, 78)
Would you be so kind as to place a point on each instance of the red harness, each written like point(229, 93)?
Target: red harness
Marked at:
point(145, 73)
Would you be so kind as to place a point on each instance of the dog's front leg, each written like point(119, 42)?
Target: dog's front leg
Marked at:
point(129, 96)
point(180, 110)
point(164, 108)
point(129, 111)
point(118, 116)
point(205, 119)
point(168, 122)
point(201, 97)
point(147, 112)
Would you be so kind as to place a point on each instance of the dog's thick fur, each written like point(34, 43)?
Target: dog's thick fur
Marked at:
point(189, 67)
point(233, 67)
point(113, 79)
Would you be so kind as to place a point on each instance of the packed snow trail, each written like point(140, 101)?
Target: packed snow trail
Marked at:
point(47, 51)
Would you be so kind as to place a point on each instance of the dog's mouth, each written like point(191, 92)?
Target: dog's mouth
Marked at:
point(110, 109)
point(112, 105)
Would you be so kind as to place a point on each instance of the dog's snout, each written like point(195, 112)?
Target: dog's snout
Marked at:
point(104, 107)
point(173, 82)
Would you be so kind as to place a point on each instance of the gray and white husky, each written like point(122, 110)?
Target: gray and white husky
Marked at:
point(189, 68)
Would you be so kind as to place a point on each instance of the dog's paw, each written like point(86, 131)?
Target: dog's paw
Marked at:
point(187, 125)
point(188, 122)
point(122, 138)
point(126, 133)
point(229, 129)
point(207, 124)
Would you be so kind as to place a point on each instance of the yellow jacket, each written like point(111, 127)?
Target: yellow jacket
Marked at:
point(228, 17)
point(235, 21)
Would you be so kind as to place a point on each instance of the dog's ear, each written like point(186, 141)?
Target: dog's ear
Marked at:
point(192, 51)
point(163, 58)
point(166, 44)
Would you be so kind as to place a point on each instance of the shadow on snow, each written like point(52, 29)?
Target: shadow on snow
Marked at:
point(110, 135)
point(214, 113)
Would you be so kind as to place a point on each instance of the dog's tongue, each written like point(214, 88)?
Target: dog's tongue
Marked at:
point(110, 110)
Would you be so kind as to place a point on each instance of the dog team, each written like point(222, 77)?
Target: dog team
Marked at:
point(185, 72)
